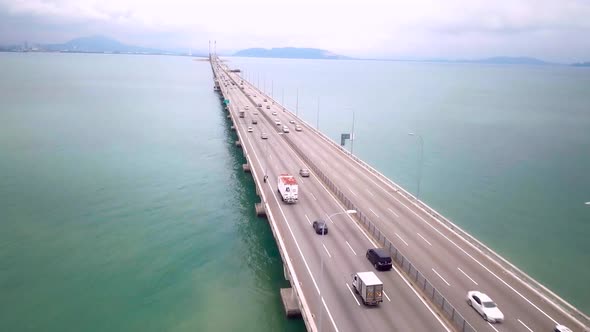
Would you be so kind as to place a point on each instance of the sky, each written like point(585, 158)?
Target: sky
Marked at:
point(557, 30)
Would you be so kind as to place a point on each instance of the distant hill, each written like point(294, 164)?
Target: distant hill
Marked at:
point(98, 44)
point(581, 64)
point(289, 52)
point(505, 60)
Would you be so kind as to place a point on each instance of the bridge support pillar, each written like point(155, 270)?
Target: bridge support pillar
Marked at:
point(246, 168)
point(260, 211)
point(290, 303)
point(229, 116)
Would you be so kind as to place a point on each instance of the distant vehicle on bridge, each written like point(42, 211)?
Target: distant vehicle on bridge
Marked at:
point(287, 187)
point(369, 287)
point(484, 306)
point(380, 258)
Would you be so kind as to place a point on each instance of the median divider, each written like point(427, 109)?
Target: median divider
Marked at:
point(419, 280)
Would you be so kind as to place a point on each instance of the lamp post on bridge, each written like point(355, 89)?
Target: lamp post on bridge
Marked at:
point(322, 265)
point(421, 162)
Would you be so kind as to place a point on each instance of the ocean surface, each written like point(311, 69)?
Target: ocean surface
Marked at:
point(123, 205)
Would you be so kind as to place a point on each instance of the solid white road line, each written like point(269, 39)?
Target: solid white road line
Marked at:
point(370, 192)
point(376, 215)
point(423, 238)
point(443, 279)
point(352, 192)
point(492, 326)
point(390, 210)
point(406, 243)
point(523, 324)
point(354, 252)
point(326, 249)
point(467, 276)
point(329, 314)
point(313, 196)
point(309, 221)
point(353, 296)
point(329, 218)
point(388, 299)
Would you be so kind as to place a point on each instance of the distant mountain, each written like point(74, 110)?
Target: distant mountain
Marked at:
point(505, 60)
point(581, 64)
point(98, 44)
point(289, 52)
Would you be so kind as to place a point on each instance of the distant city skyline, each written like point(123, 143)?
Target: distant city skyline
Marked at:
point(550, 30)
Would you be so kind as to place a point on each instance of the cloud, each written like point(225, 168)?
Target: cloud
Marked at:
point(379, 28)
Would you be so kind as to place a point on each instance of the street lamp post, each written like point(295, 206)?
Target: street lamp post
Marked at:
point(322, 264)
point(421, 162)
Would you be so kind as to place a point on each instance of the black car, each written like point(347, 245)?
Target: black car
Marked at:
point(380, 258)
point(320, 227)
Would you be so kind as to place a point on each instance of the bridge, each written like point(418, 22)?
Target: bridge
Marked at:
point(435, 262)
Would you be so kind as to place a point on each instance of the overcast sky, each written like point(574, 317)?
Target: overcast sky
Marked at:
point(556, 30)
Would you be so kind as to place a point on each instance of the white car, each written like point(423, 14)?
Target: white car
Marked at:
point(277, 122)
point(274, 113)
point(292, 121)
point(484, 305)
point(298, 128)
point(264, 136)
point(561, 328)
point(250, 129)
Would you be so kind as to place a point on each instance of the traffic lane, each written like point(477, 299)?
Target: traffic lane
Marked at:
point(309, 251)
point(296, 258)
point(335, 299)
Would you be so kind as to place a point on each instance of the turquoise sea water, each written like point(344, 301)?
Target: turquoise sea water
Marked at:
point(123, 205)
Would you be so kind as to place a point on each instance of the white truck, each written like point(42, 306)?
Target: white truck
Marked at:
point(369, 287)
point(287, 187)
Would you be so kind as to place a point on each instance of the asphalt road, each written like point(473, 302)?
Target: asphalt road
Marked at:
point(328, 295)
point(449, 262)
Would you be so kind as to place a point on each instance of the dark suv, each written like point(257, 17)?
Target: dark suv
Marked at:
point(380, 258)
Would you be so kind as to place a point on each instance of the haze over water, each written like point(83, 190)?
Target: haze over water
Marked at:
point(123, 205)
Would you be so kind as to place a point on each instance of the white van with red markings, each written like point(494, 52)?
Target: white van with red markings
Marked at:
point(287, 187)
